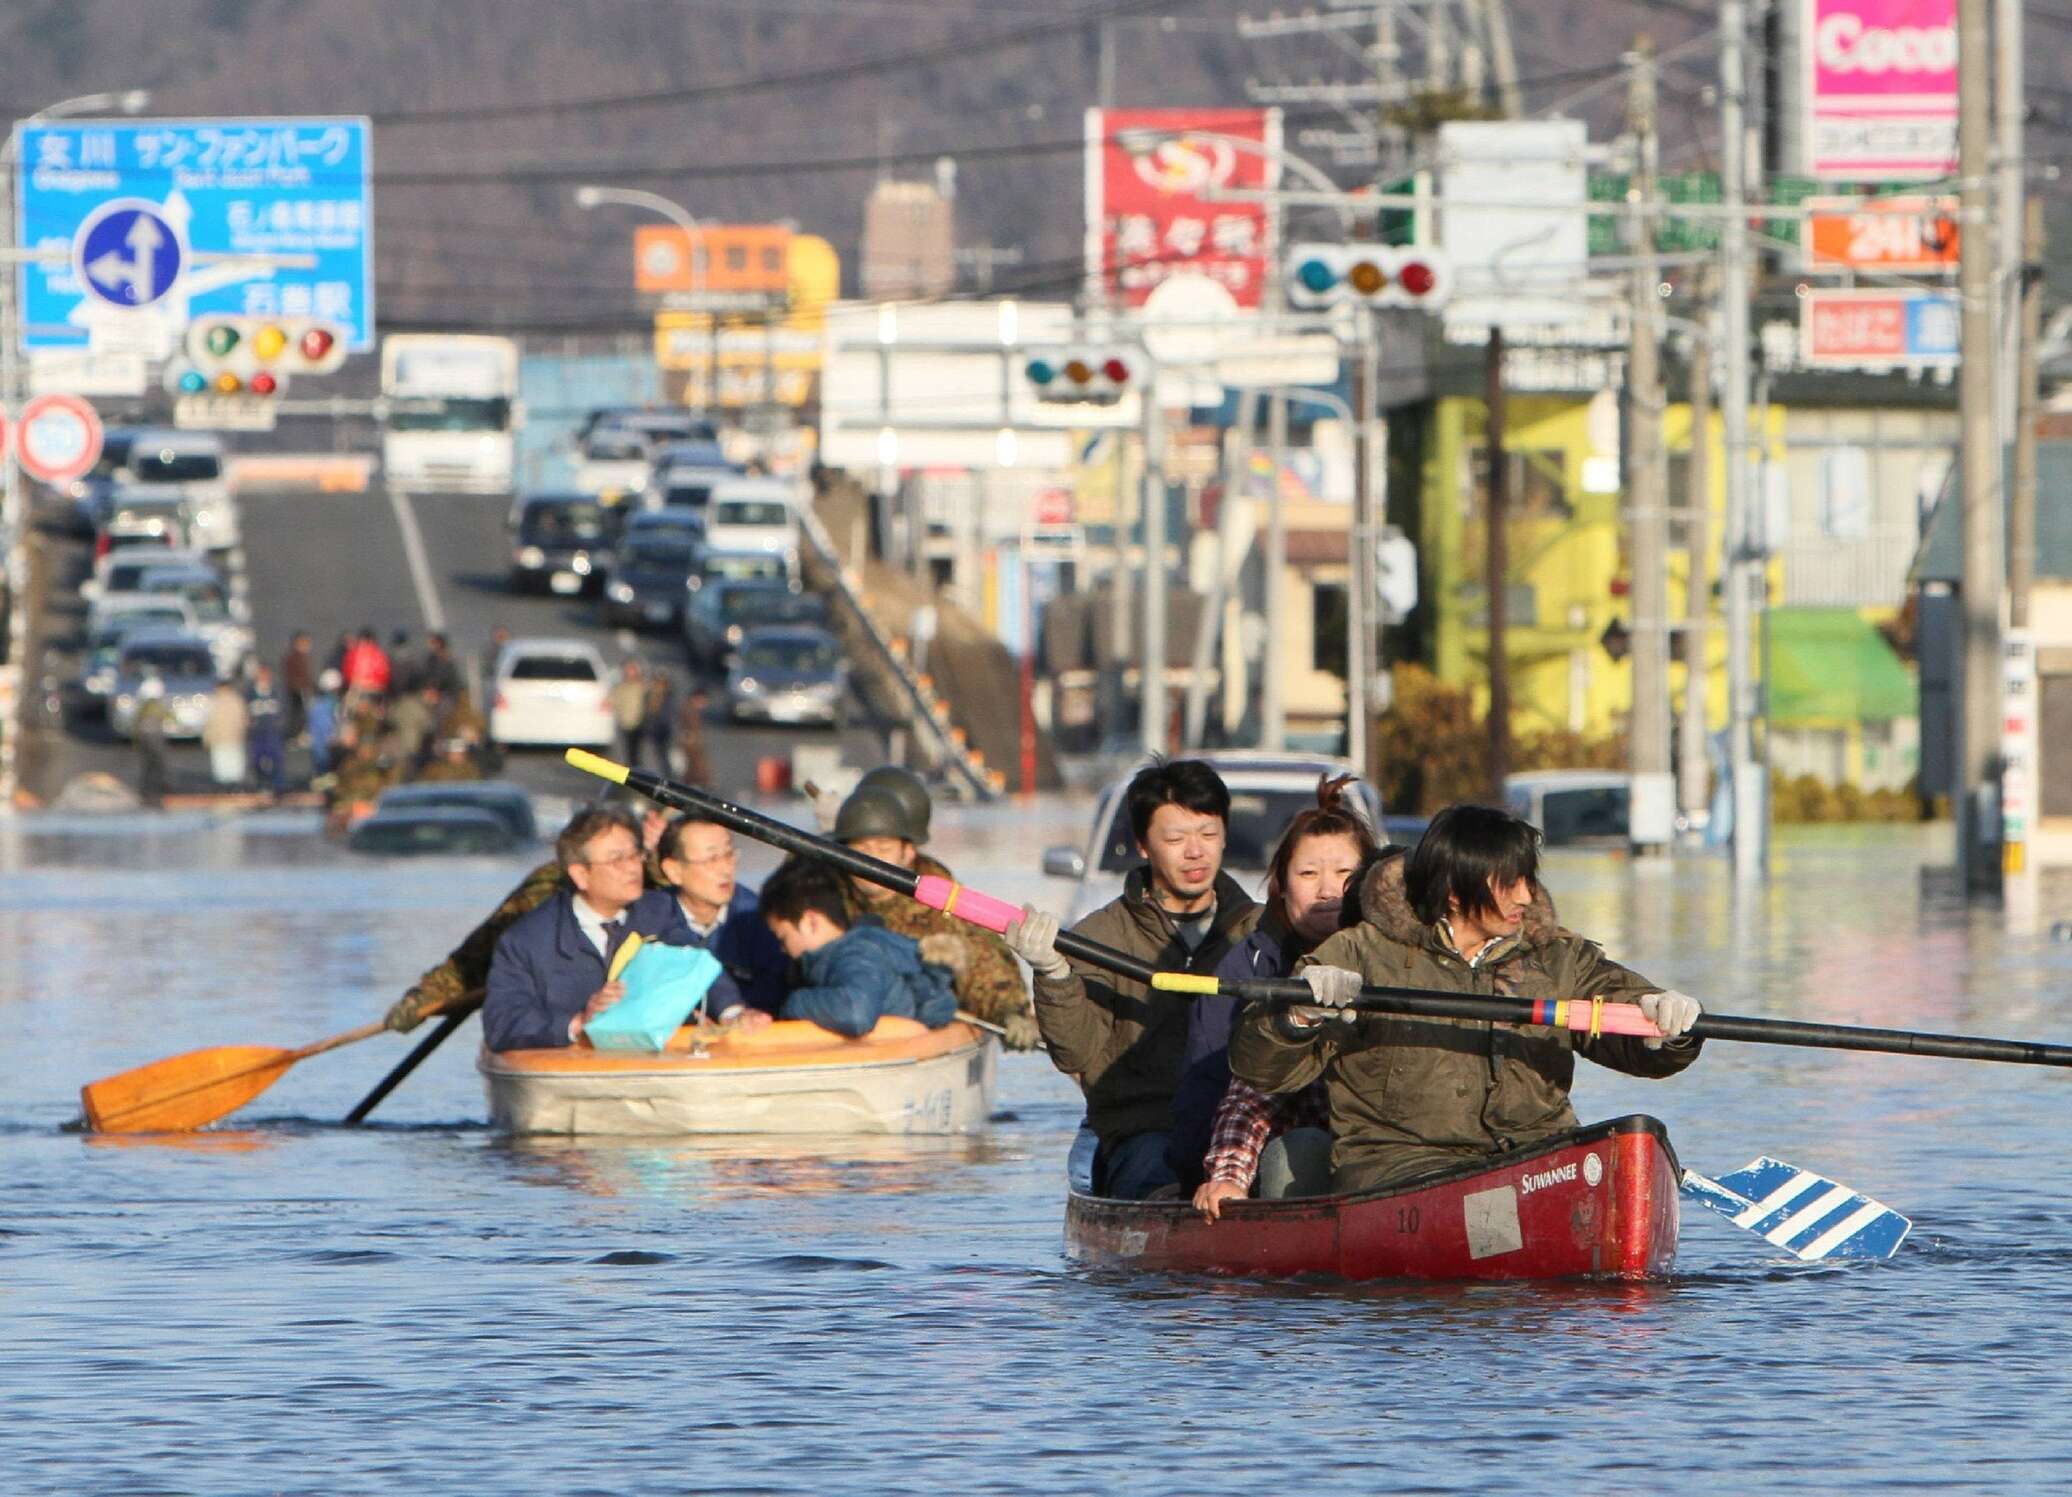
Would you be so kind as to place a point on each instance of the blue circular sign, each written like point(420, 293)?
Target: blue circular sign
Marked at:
point(127, 254)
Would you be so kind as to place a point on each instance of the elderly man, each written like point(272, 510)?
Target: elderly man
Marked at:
point(1123, 1043)
point(550, 973)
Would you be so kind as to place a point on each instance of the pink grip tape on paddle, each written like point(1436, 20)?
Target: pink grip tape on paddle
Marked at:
point(966, 904)
point(1594, 1016)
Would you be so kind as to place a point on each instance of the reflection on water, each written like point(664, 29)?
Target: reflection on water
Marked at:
point(734, 1167)
point(421, 1306)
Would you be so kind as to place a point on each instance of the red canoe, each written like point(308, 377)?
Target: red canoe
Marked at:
point(1598, 1202)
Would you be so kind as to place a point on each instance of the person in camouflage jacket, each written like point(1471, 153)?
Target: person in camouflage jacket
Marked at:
point(455, 986)
point(880, 821)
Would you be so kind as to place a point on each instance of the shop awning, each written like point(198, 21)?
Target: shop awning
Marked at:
point(1828, 666)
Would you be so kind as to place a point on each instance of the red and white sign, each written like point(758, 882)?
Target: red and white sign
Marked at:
point(1151, 210)
point(1891, 233)
point(1880, 88)
point(1862, 329)
point(59, 438)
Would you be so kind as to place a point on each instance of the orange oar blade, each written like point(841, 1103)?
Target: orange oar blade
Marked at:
point(184, 1091)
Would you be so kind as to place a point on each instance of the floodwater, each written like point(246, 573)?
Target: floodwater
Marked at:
point(420, 1306)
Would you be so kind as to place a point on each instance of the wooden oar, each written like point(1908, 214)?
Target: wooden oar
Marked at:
point(1582, 1014)
point(189, 1091)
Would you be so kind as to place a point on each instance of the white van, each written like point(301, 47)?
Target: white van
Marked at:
point(755, 514)
point(190, 464)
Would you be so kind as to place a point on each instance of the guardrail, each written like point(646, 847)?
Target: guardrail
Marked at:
point(928, 714)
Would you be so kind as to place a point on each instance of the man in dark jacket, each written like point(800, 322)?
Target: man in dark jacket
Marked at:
point(550, 974)
point(1123, 1043)
point(1416, 1096)
point(853, 975)
point(717, 911)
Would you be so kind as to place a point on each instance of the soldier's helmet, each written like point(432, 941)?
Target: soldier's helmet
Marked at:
point(871, 811)
point(904, 786)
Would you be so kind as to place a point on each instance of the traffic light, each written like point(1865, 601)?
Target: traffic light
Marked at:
point(1374, 275)
point(1090, 375)
point(256, 355)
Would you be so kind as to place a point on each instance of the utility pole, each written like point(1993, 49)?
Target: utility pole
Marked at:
point(1153, 672)
point(1692, 762)
point(2021, 507)
point(1741, 574)
point(2008, 195)
point(1273, 712)
point(1496, 564)
point(1978, 722)
point(1647, 488)
point(1360, 601)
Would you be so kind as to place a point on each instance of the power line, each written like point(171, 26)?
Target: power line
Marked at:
point(946, 51)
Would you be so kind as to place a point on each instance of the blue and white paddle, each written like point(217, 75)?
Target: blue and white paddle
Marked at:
point(1808, 1215)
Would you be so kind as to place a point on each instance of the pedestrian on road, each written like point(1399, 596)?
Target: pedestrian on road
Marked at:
point(499, 638)
point(150, 733)
point(661, 716)
point(366, 668)
point(323, 721)
point(413, 721)
point(629, 710)
point(223, 733)
point(403, 663)
point(266, 739)
point(692, 764)
point(298, 682)
point(439, 668)
point(336, 659)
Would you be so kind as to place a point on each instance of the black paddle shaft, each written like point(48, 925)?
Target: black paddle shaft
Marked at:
point(1430, 1002)
point(404, 1067)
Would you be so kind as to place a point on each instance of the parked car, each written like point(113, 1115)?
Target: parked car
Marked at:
point(218, 618)
point(720, 615)
point(182, 661)
point(562, 543)
point(683, 486)
point(1571, 806)
point(755, 514)
point(787, 674)
point(1266, 792)
point(741, 566)
point(413, 830)
point(551, 691)
point(613, 464)
point(676, 524)
point(190, 463)
point(157, 513)
point(95, 683)
point(121, 569)
point(647, 584)
point(92, 490)
point(507, 802)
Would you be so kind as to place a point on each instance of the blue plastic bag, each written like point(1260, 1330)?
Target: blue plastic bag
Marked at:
point(664, 986)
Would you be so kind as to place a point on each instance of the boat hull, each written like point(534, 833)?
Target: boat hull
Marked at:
point(1598, 1202)
point(788, 1078)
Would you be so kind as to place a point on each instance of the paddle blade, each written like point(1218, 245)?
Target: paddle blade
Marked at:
point(184, 1091)
point(1808, 1215)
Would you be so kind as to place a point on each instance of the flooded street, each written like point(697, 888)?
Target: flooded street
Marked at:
point(286, 1305)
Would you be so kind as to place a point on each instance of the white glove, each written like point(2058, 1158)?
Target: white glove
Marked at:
point(1034, 938)
point(1673, 1013)
point(1333, 987)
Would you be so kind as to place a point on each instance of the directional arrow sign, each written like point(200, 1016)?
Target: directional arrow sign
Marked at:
point(127, 254)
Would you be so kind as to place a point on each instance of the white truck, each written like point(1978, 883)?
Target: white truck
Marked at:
point(452, 412)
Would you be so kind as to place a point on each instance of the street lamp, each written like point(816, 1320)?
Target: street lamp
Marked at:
point(592, 195)
point(13, 499)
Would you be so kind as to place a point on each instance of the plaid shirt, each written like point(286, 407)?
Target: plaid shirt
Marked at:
point(1250, 1118)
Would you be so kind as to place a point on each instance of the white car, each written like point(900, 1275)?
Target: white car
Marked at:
point(755, 514)
point(1572, 805)
point(189, 463)
point(551, 691)
point(1266, 792)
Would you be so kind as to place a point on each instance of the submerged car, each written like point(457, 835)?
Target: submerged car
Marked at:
point(788, 675)
point(413, 830)
point(499, 798)
point(1266, 792)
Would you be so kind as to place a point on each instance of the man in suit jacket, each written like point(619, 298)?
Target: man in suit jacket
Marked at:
point(547, 978)
point(716, 911)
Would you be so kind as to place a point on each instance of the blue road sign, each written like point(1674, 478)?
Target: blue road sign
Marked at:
point(125, 253)
point(219, 189)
